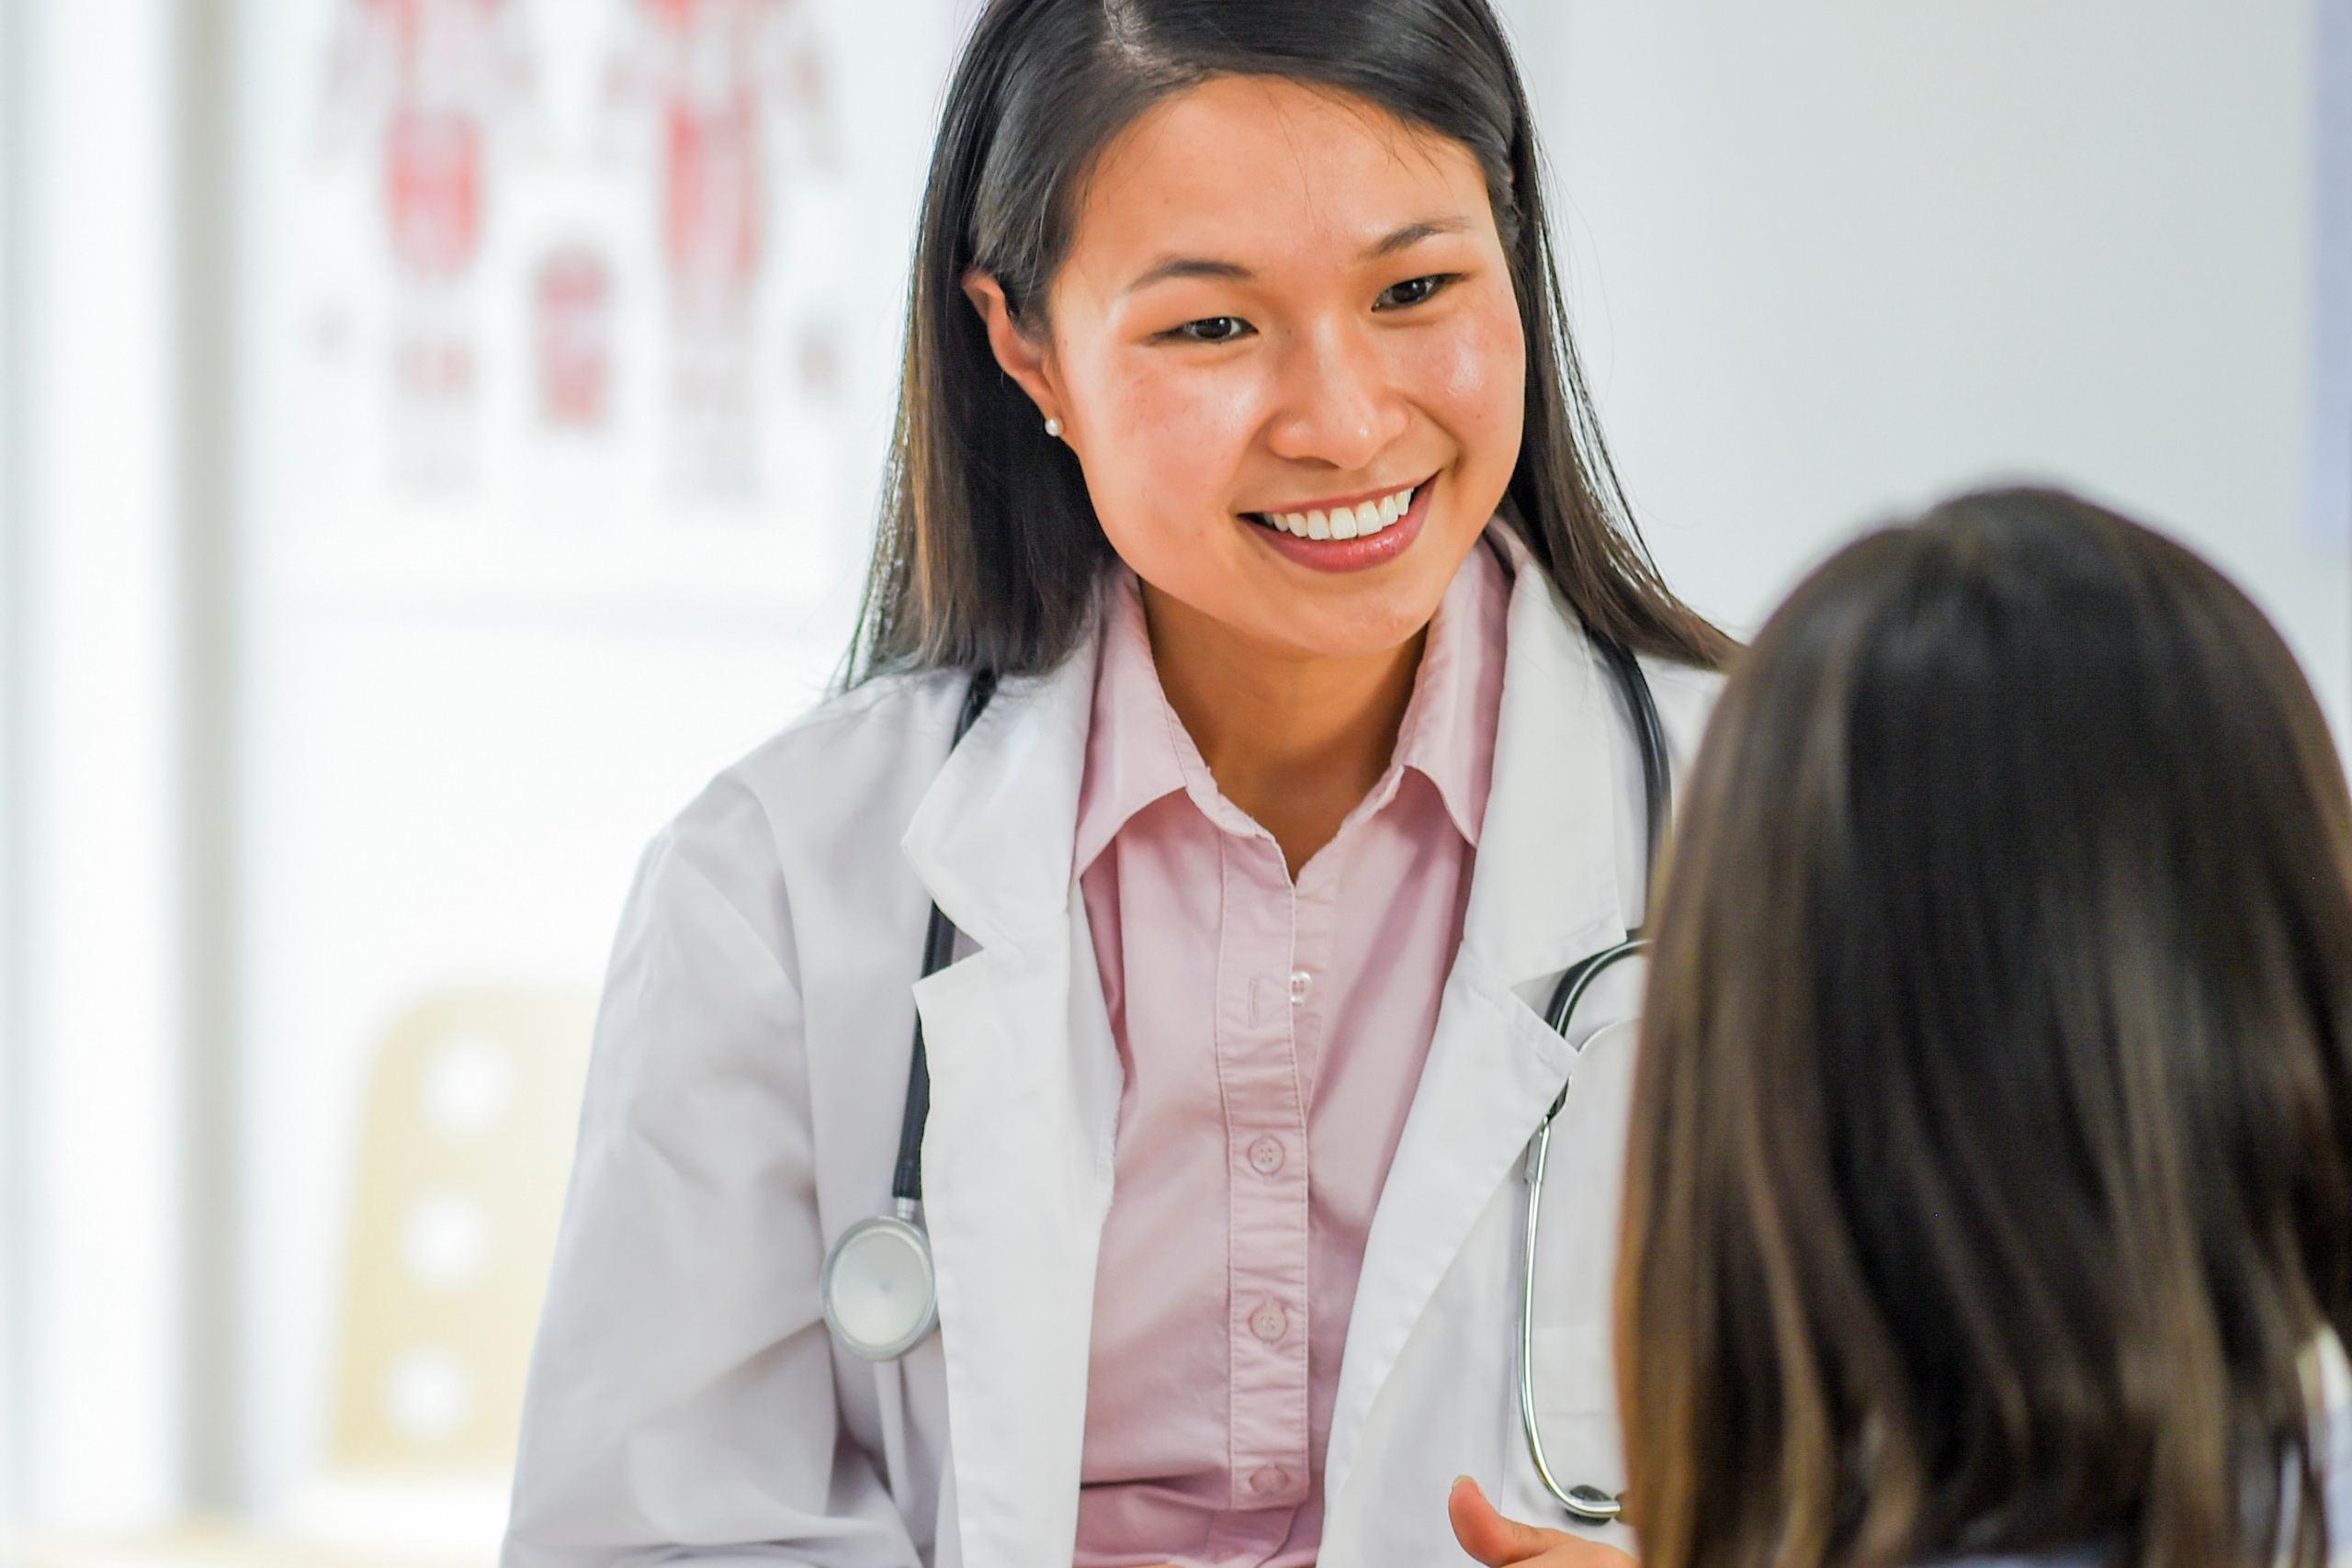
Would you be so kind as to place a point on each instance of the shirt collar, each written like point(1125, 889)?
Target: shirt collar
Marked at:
point(1133, 741)
point(1137, 751)
point(1448, 734)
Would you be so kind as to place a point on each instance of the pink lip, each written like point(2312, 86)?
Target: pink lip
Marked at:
point(1332, 503)
point(1351, 555)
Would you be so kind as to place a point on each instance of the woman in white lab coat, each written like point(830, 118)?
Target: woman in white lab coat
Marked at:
point(1237, 395)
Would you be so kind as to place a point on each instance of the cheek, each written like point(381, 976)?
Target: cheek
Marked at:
point(1159, 447)
point(1472, 378)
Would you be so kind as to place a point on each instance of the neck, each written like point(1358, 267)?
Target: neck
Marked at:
point(1295, 739)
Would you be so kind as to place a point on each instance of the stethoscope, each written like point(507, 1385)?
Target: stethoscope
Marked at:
point(880, 1288)
point(1591, 1504)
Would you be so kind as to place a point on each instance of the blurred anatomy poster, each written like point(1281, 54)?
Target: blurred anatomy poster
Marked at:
point(565, 297)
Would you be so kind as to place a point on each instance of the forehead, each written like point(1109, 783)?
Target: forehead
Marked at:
point(1244, 165)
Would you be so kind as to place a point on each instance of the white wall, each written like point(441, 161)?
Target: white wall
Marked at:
point(96, 1058)
point(1830, 258)
point(2331, 483)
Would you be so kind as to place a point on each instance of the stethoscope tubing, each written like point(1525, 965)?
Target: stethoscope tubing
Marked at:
point(1587, 1503)
point(904, 1225)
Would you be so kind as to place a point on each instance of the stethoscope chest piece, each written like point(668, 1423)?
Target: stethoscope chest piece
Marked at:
point(879, 1290)
point(1592, 1504)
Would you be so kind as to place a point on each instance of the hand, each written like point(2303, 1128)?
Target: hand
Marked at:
point(1496, 1540)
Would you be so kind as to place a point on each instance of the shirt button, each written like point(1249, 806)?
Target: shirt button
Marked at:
point(1268, 1322)
point(1266, 1155)
point(1268, 1479)
point(1299, 982)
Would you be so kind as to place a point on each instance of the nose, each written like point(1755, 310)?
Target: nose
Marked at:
point(1338, 405)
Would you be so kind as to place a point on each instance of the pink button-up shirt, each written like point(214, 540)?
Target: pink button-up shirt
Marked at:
point(1272, 1035)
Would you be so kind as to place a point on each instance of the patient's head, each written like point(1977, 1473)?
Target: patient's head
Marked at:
point(1992, 1156)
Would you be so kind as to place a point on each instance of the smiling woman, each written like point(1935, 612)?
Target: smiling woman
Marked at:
point(1335, 335)
point(1116, 160)
point(1251, 566)
point(1295, 402)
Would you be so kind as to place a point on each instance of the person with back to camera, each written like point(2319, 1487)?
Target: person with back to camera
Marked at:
point(1990, 1184)
point(1261, 712)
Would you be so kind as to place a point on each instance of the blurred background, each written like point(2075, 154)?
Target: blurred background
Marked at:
point(436, 434)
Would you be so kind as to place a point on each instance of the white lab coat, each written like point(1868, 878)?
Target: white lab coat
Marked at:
point(742, 1110)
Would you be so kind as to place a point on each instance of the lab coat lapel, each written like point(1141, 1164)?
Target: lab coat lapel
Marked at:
point(1024, 1104)
point(1545, 894)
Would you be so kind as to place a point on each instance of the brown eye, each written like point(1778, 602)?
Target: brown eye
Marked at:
point(1215, 329)
point(1412, 291)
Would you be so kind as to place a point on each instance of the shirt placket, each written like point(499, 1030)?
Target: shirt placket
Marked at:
point(1266, 1155)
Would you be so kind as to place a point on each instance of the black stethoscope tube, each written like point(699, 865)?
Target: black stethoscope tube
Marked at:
point(938, 947)
point(1649, 739)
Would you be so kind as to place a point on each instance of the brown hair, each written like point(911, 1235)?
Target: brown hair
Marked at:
point(990, 554)
point(1991, 1161)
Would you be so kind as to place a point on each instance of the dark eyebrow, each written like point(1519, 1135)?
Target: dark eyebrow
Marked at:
point(1412, 234)
point(1191, 267)
point(1404, 239)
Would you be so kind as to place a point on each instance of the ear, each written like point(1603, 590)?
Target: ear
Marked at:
point(1024, 359)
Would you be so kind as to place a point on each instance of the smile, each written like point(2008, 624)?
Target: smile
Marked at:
point(1360, 520)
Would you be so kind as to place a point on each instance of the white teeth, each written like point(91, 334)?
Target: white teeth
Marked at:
point(1345, 523)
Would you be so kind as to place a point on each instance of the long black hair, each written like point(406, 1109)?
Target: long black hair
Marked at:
point(1991, 1163)
point(990, 554)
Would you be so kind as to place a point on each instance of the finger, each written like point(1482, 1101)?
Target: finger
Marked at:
point(1490, 1538)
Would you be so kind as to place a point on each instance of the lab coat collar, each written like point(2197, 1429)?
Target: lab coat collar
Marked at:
point(1545, 893)
point(993, 837)
point(1025, 1103)
point(1554, 794)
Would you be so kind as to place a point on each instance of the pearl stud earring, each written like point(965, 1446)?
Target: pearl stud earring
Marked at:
point(1054, 428)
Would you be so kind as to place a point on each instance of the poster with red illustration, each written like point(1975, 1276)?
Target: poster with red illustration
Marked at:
point(572, 304)
point(736, 97)
point(431, 83)
point(591, 299)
